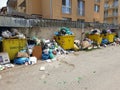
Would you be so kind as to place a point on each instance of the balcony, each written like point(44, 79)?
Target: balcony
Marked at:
point(106, 6)
point(66, 9)
point(106, 15)
point(111, 15)
point(115, 5)
point(81, 12)
point(111, 6)
point(115, 14)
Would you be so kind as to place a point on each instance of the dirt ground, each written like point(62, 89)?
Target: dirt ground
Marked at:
point(93, 70)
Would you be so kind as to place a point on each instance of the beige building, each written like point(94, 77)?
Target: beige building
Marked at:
point(112, 11)
point(75, 10)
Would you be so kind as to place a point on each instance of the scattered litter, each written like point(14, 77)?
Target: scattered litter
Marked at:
point(9, 65)
point(49, 61)
point(21, 60)
point(78, 79)
point(42, 68)
point(45, 82)
point(4, 58)
point(95, 47)
point(6, 66)
point(54, 59)
point(32, 60)
point(50, 49)
point(2, 67)
point(26, 63)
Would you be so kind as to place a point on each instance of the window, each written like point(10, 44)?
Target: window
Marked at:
point(115, 21)
point(105, 13)
point(115, 12)
point(115, 3)
point(96, 8)
point(63, 2)
point(106, 5)
point(81, 7)
point(66, 6)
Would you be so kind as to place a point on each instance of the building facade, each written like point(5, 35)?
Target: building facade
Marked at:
point(112, 11)
point(75, 10)
point(11, 6)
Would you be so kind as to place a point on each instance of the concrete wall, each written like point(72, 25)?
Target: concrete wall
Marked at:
point(48, 32)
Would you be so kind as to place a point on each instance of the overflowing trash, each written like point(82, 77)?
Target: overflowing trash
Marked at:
point(14, 33)
point(86, 43)
point(117, 40)
point(64, 31)
point(6, 66)
point(50, 49)
point(33, 49)
point(65, 38)
point(95, 31)
point(21, 60)
point(32, 60)
point(102, 37)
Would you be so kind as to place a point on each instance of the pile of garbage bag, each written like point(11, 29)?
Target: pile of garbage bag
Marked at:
point(14, 33)
point(86, 44)
point(95, 31)
point(64, 31)
point(50, 49)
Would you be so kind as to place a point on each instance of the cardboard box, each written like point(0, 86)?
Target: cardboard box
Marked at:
point(22, 54)
point(4, 58)
point(37, 52)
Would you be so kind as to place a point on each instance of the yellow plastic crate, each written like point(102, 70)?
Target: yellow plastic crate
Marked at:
point(13, 46)
point(109, 37)
point(66, 42)
point(95, 37)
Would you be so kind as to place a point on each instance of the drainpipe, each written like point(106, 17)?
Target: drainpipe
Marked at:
point(51, 9)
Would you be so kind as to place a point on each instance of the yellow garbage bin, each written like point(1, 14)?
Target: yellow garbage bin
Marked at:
point(13, 46)
point(96, 38)
point(66, 42)
point(109, 37)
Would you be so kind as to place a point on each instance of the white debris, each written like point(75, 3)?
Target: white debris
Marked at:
point(42, 68)
point(49, 61)
point(54, 59)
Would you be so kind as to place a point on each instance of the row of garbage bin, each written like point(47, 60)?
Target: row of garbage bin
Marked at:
point(63, 40)
point(99, 37)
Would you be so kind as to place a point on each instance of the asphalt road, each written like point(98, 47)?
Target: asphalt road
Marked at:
point(94, 70)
